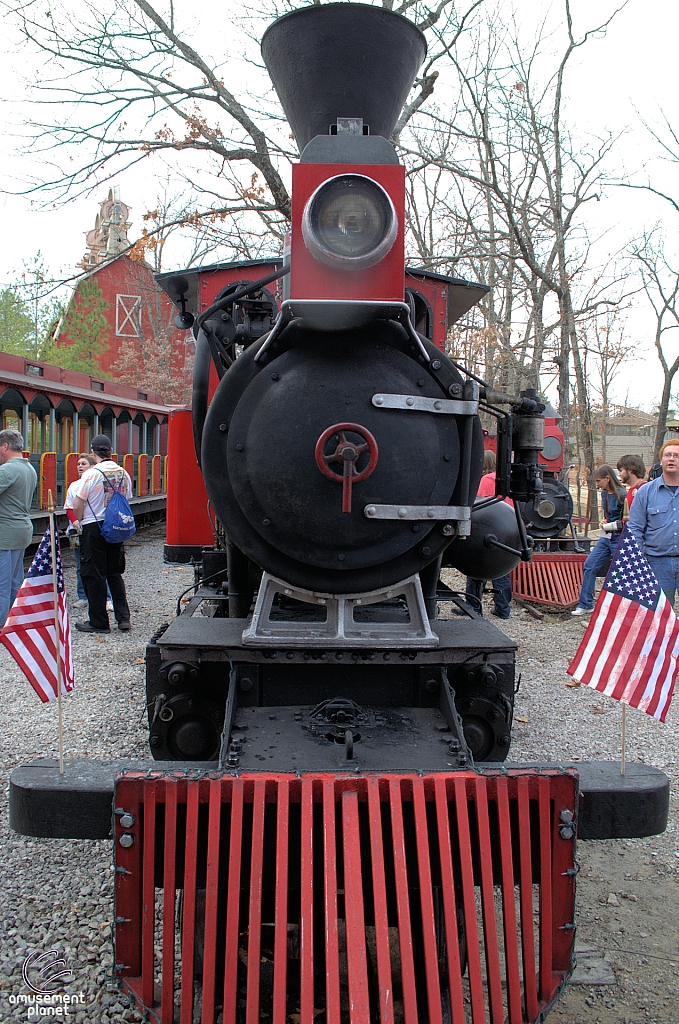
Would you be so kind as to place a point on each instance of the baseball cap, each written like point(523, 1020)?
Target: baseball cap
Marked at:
point(101, 443)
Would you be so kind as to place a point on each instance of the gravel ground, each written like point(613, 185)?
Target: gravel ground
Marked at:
point(57, 893)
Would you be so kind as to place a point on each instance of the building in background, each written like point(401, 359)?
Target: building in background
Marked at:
point(118, 322)
point(624, 431)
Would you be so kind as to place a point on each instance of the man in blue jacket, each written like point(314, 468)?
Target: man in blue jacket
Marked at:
point(654, 520)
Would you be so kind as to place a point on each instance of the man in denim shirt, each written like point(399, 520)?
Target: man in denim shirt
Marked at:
point(654, 520)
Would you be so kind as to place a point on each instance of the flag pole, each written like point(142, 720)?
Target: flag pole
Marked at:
point(57, 635)
point(624, 719)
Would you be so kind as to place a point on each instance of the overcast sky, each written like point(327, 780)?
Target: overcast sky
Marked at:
point(613, 82)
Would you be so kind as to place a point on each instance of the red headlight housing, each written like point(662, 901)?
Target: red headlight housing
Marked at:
point(347, 232)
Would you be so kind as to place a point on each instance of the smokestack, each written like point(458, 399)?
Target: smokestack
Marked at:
point(342, 60)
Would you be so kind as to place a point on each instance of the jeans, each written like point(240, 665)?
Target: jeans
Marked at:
point(666, 572)
point(102, 563)
point(603, 550)
point(11, 578)
point(82, 596)
point(502, 593)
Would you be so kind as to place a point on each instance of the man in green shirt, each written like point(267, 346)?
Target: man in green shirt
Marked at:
point(18, 480)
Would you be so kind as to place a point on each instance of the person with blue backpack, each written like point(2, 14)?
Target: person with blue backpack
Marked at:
point(101, 504)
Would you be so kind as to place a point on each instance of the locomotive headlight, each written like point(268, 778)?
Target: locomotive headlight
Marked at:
point(349, 222)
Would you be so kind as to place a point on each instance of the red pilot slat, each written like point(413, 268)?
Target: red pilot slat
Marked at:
point(449, 909)
point(189, 902)
point(508, 907)
point(233, 902)
point(469, 902)
point(332, 982)
point(280, 949)
point(427, 904)
point(148, 895)
point(255, 917)
point(526, 901)
point(403, 904)
point(211, 896)
point(546, 987)
point(357, 967)
point(169, 860)
point(384, 979)
point(306, 923)
point(488, 904)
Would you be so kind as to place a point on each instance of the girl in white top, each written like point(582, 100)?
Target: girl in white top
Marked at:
point(84, 463)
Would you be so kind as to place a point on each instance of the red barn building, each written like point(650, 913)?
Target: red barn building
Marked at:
point(143, 347)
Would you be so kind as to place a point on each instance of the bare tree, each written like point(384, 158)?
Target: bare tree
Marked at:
point(661, 286)
point(130, 83)
point(610, 348)
point(511, 144)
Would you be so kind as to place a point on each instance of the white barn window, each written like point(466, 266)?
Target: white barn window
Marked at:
point(128, 316)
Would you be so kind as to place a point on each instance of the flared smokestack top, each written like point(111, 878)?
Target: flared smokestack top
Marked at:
point(342, 60)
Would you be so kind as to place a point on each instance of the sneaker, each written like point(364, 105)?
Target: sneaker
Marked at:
point(125, 626)
point(87, 627)
point(582, 611)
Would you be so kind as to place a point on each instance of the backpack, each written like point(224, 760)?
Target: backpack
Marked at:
point(118, 522)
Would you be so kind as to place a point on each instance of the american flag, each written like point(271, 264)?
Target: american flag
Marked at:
point(29, 634)
point(630, 649)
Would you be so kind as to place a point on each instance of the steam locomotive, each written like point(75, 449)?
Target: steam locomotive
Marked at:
point(326, 843)
point(341, 451)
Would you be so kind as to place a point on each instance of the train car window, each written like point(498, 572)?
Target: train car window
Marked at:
point(66, 431)
point(97, 385)
point(34, 440)
point(10, 420)
point(34, 371)
point(423, 319)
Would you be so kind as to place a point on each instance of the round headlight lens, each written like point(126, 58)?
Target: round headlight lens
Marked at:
point(552, 448)
point(349, 222)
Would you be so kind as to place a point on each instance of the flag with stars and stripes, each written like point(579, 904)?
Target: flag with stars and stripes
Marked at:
point(631, 646)
point(29, 633)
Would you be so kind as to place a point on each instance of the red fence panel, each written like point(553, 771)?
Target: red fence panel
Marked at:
point(156, 474)
point(48, 477)
point(70, 470)
point(142, 475)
